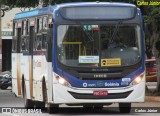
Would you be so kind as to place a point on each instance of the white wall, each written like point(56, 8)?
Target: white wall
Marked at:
point(8, 17)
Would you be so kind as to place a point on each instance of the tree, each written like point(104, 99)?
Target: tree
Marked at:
point(151, 17)
point(20, 3)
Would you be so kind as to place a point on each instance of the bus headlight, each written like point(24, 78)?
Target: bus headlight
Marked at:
point(137, 79)
point(62, 81)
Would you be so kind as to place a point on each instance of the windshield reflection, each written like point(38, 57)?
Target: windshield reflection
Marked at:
point(92, 45)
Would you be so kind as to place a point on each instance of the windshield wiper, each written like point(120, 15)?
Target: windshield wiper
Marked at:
point(86, 33)
point(116, 30)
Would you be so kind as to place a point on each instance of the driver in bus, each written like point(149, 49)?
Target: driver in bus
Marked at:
point(117, 42)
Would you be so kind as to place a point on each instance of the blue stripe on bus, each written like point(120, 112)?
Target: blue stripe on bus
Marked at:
point(75, 82)
point(26, 14)
point(45, 10)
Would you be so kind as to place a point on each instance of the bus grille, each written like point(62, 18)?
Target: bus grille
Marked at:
point(109, 96)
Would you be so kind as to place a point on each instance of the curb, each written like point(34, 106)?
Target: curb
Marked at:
point(152, 98)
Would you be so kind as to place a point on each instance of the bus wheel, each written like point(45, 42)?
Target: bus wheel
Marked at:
point(52, 108)
point(40, 105)
point(124, 107)
point(29, 104)
point(44, 91)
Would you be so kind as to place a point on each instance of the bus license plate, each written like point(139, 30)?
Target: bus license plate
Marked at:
point(100, 93)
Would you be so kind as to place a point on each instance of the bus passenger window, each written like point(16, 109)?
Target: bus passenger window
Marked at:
point(39, 25)
point(38, 43)
point(23, 44)
point(27, 43)
point(27, 27)
point(24, 28)
point(44, 24)
point(44, 41)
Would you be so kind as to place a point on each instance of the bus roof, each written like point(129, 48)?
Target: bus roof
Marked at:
point(49, 10)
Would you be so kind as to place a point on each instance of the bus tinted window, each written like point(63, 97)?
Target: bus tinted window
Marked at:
point(44, 41)
point(45, 24)
point(38, 43)
point(39, 25)
point(75, 41)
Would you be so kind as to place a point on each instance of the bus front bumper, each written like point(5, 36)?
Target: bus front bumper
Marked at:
point(66, 95)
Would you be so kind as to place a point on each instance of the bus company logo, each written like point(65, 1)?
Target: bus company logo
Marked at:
point(100, 75)
point(85, 84)
point(111, 84)
point(100, 83)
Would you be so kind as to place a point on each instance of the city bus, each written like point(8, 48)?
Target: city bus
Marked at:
point(61, 55)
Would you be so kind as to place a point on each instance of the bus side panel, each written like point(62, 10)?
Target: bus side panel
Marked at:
point(14, 74)
point(40, 69)
point(24, 66)
point(16, 79)
point(49, 83)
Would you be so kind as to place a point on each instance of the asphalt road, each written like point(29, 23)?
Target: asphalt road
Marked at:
point(7, 99)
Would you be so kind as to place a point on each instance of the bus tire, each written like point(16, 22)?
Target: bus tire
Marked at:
point(124, 107)
point(44, 91)
point(40, 105)
point(28, 104)
point(52, 108)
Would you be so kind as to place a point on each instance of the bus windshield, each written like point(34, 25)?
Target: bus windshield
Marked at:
point(100, 45)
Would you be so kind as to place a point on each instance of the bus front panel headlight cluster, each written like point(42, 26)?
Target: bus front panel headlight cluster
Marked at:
point(137, 79)
point(62, 81)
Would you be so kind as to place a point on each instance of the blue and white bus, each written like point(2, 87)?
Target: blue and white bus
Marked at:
point(68, 54)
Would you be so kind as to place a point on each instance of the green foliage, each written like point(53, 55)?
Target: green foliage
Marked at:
point(20, 3)
point(151, 13)
point(147, 19)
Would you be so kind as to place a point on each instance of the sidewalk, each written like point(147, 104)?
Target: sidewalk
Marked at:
point(152, 98)
point(151, 94)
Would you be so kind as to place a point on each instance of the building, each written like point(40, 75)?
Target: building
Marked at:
point(6, 27)
point(6, 48)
